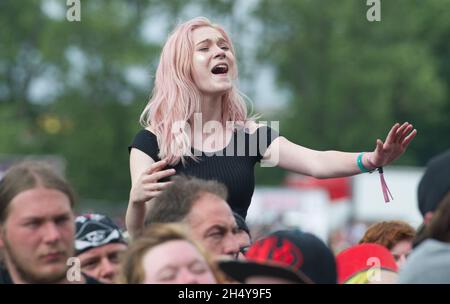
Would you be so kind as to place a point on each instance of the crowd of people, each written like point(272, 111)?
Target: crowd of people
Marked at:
point(192, 180)
point(39, 233)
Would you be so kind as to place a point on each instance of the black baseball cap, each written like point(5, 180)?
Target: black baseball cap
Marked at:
point(435, 183)
point(288, 254)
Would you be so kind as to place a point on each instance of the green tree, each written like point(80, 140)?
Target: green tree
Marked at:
point(351, 79)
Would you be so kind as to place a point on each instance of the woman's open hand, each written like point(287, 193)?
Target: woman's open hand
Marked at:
point(395, 145)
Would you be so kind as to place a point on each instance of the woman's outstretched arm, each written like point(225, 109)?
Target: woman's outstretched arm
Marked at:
point(326, 164)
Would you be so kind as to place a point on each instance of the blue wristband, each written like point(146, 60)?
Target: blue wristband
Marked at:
point(360, 163)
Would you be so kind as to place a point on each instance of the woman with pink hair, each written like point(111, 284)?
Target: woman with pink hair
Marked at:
point(196, 123)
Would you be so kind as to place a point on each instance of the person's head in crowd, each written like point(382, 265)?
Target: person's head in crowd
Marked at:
point(287, 256)
point(439, 226)
point(243, 235)
point(429, 263)
point(434, 185)
point(202, 206)
point(99, 242)
point(366, 263)
point(397, 236)
point(36, 223)
point(164, 254)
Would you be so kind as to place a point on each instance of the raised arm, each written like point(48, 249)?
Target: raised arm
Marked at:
point(326, 164)
point(145, 174)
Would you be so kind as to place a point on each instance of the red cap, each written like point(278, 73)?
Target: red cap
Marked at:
point(361, 258)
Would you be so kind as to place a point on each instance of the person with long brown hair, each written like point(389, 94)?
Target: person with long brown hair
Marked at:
point(37, 228)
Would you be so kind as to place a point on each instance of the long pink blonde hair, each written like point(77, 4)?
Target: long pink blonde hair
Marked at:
point(175, 96)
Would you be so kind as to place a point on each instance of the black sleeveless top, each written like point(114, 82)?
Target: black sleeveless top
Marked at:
point(233, 165)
